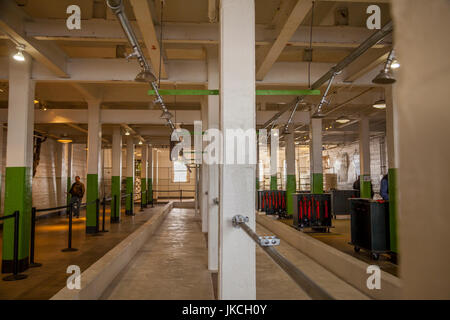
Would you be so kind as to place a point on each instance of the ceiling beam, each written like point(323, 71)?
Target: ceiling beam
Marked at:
point(81, 129)
point(12, 23)
point(132, 131)
point(365, 63)
point(267, 55)
point(144, 19)
point(95, 30)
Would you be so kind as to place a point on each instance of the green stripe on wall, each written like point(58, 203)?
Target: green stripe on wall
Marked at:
point(17, 198)
point(91, 195)
point(365, 187)
point(116, 186)
point(392, 179)
point(273, 183)
point(290, 190)
point(129, 190)
point(317, 183)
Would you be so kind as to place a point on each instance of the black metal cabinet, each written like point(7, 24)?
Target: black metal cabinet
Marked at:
point(370, 225)
point(340, 203)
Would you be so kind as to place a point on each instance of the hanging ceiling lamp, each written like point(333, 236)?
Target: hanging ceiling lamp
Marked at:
point(343, 120)
point(380, 104)
point(145, 76)
point(385, 76)
point(19, 55)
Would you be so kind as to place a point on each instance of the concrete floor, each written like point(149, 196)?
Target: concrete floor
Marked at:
point(51, 237)
point(173, 265)
point(339, 238)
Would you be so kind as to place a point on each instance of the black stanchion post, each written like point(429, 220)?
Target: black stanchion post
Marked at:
point(131, 204)
point(32, 241)
point(69, 246)
point(146, 198)
point(142, 201)
point(104, 215)
point(16, 276)
point(116, 210)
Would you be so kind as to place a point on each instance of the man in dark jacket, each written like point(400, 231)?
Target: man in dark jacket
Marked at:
point(384, 188)
point(77, 193)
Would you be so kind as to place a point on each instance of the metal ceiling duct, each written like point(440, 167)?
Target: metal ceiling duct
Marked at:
point(366, 45)
point(146, 74)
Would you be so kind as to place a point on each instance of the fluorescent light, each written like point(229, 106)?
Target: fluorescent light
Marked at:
point(380, 104)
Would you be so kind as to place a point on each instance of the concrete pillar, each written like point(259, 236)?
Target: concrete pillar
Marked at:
point(19, 162)
point(364, 158)
point(315, 156)
point(422, 96)
point(150, 176)
point(237, 279)
point(60, 174)
point(290, 171)
point(204, 185)
point(144, 173)
point(116, 176)
point(93, 163)
point(213, 168)
point(257, 165)
point(391, 135)
point(156, 174)
point(129, 202)
point(274, 143)
point(1, 164)
point(69, 157)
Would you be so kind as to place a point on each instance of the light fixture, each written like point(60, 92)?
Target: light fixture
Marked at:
point(395, 64)
point(19, 55)
point(385, 77)
point(140, 142)
point(36, 101)
point(342, 119)
point(380, 104)
point(145, 76)
point(64, 140)
point(166, 115)
point(127, 133)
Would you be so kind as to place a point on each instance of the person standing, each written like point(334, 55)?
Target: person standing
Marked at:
point(384, 188)
point(77, 192)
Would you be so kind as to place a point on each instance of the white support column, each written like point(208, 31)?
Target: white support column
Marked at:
point(93, 163)
point(237, 274)
point(116, 174)
point(213, 169)
point(315, 151)
point(274, 144)
point(19, 161)
point(144, 172)
point(1, 165)
point(204, 173)
point(130, 176)
point(150, 175)
point(364, 157)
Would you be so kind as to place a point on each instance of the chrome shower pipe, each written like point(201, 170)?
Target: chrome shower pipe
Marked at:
point(118, 9)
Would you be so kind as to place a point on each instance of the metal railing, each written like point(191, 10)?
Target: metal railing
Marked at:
point(267, 244)
point(15, 274)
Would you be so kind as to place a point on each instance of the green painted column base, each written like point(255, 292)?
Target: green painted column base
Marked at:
point(129, 202)
point(317, 183)
point(392, 181)
point(116, 199)
point(150, 191)
point(290, 190)
point(365, 187)
point(273, 183)
point(17, 198)
point(257, 184)
point(91, 209)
